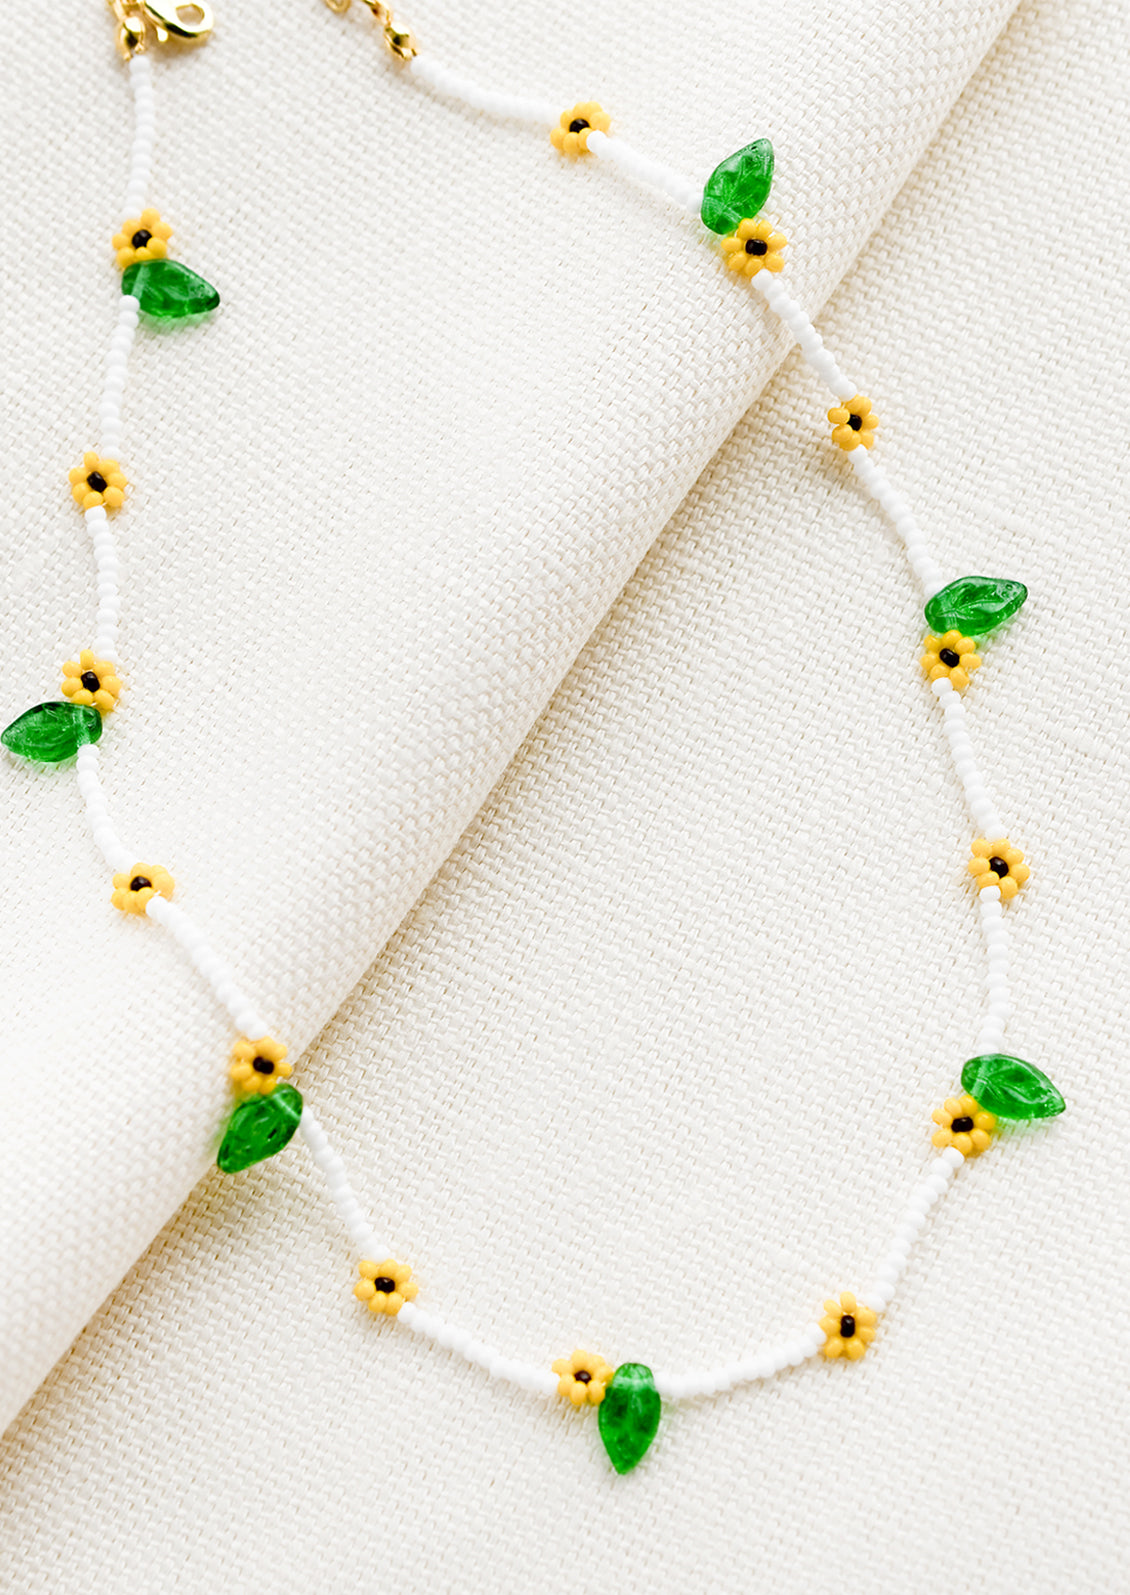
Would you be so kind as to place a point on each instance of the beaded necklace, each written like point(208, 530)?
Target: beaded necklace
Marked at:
point(728, 213)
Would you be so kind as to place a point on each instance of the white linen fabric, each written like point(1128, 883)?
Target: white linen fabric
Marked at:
point(457, 387)
point(649, 1066)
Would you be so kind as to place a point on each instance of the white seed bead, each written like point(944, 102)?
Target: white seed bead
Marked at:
point(141, 152)
point(811, 345)
point(90, 787)
point(207, 960)
point(521, 107)
point(644, 170)
point(874, 479)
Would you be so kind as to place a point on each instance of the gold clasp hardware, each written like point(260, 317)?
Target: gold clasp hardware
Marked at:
point(397, 39)
point(184, 21)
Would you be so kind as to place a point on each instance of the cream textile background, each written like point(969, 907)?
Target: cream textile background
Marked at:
point(456, 389)
point(647, 1067)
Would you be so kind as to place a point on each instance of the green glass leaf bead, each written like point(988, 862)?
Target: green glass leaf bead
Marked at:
point(975, 604)
point(629, 1415)
point(739, 187)
point(168, 290)
point(52, 732)
point(1011, 1088)
point(259, 1128)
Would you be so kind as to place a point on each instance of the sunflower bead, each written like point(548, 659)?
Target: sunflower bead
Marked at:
point(571, 135)
point(998, 864)
point(92, 682)
point(951, 655)
point(853, 424)
point(849, 1327)
point(134, 887)
point(963, 1123)
point(755, 246)
point(97, 483)
point(144, 237)
point(582, 1378)
point(385, 1287)
point(258, 1066)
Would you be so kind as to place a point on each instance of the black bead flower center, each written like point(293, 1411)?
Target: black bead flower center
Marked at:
point(579, 125)
point(847, 1326)
point(583, 1377)
point(262, 1066)
point(998, 866)
point(139, 883)
point(90, 681)
point(385, 1285)
point(97, 481)
point(855, 422)
point(141, 238)
point(948, 657)
point(963, 1125)
point(756, 246)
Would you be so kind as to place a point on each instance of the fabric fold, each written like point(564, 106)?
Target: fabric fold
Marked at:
point(457, 388)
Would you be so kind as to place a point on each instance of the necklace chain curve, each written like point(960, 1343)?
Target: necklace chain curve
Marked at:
point(728, 212)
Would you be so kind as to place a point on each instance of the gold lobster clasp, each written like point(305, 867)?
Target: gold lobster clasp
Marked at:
point(183, 21)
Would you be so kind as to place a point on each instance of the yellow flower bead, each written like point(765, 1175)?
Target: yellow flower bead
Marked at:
point(583, 1378)
point(91, 681)
point(849, 1327)
point(134, 887)
point(853, 423)
point(385, 1287)
point(754, 247)
point(144, 237)
point(951, 655)
point(97, 483)
point(258, 1066)
point(571, 135)
point(962, 1122)
point(998, 864)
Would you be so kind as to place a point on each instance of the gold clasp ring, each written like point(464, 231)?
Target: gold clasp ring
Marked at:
point(185, 21)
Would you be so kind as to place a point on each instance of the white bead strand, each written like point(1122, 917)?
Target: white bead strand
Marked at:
point(797, 320)
point(521, 107)
point(901, 516)
point(337, 1183)
point(646, 171)
point(144, 133)
point(922, 1198)
point(761, 1365)
point(89, 784)
point(117, 358)
point(208, 961)
point(524, 108)
point(981, 805)
point(672, 1386)
point(106, 568)
point(526, 1375)
point(990, 1037)
point(689, 194)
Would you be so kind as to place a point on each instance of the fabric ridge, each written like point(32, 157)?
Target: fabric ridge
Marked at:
point(456, 389)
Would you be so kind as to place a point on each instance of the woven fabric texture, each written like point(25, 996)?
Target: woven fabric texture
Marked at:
point(649, 1066)
point(457, 387)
